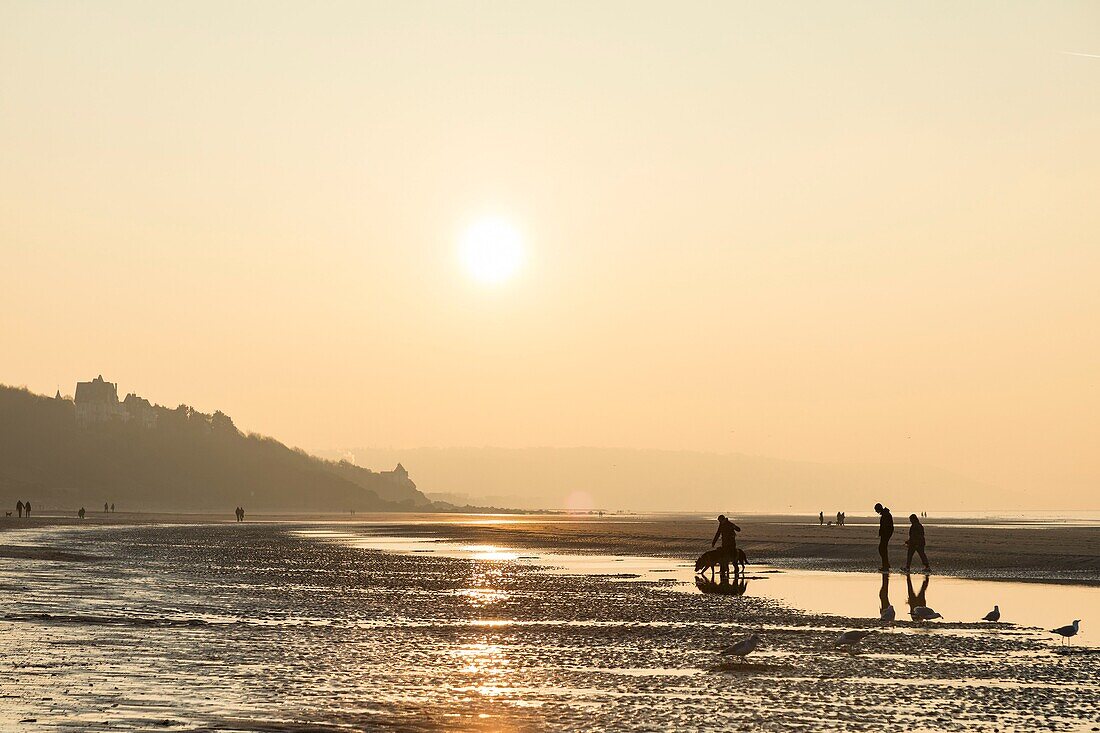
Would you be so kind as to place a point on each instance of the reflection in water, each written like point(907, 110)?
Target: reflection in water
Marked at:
point(723, 586)
point(916, 599)
point(886, 609)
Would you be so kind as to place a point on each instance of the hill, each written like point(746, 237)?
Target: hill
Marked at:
point(661, 480)
point(57, 452)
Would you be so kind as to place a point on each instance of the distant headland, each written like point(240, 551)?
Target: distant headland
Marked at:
point(93, 448)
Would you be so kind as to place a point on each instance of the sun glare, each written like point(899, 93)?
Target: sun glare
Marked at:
point(491, 250)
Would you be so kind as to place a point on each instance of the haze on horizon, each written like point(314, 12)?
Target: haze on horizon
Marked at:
point(864, 234)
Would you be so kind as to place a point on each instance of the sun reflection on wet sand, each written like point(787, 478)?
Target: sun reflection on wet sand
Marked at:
point(285, 627)
point(855, 595)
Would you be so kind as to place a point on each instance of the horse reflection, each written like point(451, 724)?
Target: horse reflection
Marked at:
point(722, 587)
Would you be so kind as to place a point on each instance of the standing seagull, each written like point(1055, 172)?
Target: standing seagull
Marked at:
point(924, 613)
point(849, 639)
point(994, 615)
point(744, 647)
point(888, 614)
point(1068, 632)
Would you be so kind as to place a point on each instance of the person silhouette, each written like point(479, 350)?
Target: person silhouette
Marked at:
point(112, 507)
point(915, 543)
point(821, 517)
point(80, 513)
point(727, 531)
point(885, 531)
point(19, 507)
point(104, 507)
point(27, 508)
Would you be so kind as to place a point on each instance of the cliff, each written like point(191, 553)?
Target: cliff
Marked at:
point(183, 460)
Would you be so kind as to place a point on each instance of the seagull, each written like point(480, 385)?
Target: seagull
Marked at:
point(1068, 632)
point(994, 615)
point(849, 639)
point(924, 613)
point(744, 647)
point(888, 614)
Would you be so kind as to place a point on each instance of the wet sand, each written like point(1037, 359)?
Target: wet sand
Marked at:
point(987, 549)
point(966, 548)
point(263, 627)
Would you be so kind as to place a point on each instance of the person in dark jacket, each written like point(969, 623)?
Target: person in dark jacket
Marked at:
point(915, 543)
point(727, 532)
point(885, 531)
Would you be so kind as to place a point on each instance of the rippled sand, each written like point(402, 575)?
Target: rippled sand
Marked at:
point(256, 627)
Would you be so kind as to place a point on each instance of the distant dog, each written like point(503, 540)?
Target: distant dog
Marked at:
point(717, 556)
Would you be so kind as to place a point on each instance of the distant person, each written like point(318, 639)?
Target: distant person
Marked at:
point(19, 507)
point(112, 507)
point(843, 519)
point(105, 507)
point(727, 532)
point(80, 513)
point(821, 517)
point(242, 513)
point(915, 543)
point(27, 508)
point(838, 519)
point(885, 532)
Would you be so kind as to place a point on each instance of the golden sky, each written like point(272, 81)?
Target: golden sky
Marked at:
point(857, 231)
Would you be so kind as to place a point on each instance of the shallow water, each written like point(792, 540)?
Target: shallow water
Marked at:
point(855, 595)
point(263, 627)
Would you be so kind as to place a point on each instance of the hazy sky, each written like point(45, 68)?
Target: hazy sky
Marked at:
point(825, 231)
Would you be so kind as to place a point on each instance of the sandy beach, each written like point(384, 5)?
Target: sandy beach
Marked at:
point(172, 623)
point(1035, 550)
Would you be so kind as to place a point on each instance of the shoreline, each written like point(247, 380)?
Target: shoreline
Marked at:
point(967, 548)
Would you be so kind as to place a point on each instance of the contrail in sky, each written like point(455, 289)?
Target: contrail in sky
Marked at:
point(1086, 55)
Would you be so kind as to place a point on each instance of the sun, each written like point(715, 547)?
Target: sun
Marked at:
point(491, 250)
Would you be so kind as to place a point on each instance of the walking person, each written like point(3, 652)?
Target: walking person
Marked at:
point(885, 532)
point(19, 508)
point(27, 508)
point(915, 543)
point(821, 518)
point(727, 531)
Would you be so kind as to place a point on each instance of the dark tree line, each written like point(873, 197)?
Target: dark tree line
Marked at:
point(190, 461)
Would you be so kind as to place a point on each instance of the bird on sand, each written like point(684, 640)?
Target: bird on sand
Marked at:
point(744, 647)
point(994, 615)
point(888, 614)
point(1068, 632)
point(924, 613)
point(850, 639)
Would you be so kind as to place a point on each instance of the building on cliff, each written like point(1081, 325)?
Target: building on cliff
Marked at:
point(97, 401)
point(141, 410)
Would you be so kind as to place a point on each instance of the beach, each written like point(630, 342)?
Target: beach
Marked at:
point(425, 622)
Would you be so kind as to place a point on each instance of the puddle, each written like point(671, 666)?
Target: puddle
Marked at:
point(852, 595)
